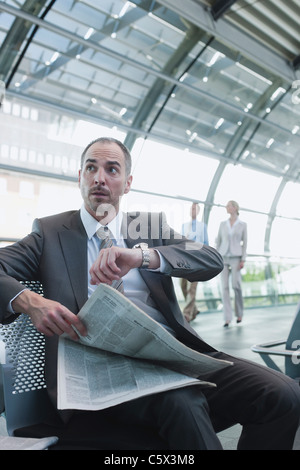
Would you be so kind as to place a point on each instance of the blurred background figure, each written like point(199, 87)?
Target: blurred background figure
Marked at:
point(232, 245)
point(194, 230)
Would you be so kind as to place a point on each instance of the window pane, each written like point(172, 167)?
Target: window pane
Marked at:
point(32, 197)
point(172, 171)
point(288, 203)
point(285, 236)
point(177, 211)
point(249, 188)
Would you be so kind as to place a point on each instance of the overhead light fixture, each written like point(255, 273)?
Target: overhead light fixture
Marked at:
point(277, 93)
point(18, 84)
point(123, 111)
point(205, 142)
point(89, 33)
point(183, 77)
point(269, 143)
point(255, 74)
point(249, 106)
point(214, 58)
point(125, 8)
point(54, 57)
point(295, 129)
point(219, 123)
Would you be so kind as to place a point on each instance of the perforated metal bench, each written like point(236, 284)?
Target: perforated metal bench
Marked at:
point(288, 348)
point(26, 400)
point(23, 371)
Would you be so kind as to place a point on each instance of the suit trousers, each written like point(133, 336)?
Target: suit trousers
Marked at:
point(189, 290)
point(232, 266)
point(265, 402)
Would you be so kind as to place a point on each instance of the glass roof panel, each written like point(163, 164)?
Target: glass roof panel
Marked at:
point(225, 77)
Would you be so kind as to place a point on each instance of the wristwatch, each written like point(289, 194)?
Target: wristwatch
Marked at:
point(145, 254)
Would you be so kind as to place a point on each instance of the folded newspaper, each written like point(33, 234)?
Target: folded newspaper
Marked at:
point(26, 443)
point(125, 355)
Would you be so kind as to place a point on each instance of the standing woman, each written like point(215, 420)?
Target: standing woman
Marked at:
point(232, 245)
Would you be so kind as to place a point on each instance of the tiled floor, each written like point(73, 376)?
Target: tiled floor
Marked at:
point(259, 325)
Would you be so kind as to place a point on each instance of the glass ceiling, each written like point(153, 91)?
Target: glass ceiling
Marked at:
point(209, 104)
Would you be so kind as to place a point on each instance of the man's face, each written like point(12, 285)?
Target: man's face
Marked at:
point(194, 211)
point(102, 179)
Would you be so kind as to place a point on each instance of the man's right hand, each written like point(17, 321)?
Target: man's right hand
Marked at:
point(49, 317)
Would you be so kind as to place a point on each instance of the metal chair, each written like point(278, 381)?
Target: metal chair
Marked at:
point(289, 352)
point(26, 401)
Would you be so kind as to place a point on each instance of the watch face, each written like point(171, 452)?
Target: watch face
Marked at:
point(141, 245)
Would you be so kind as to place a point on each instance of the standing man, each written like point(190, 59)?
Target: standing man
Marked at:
point(197, 231)
point(232, 244)
point(63, 253)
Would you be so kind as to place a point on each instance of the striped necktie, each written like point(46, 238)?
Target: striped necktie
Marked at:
point(106, 238)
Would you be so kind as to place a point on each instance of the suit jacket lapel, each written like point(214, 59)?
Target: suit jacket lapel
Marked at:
point(136, 228)
point(73, 240)
point(161, 286)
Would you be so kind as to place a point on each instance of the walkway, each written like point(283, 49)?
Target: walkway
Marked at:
point(260, 325)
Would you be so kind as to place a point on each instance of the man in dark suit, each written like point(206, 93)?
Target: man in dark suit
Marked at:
point(63, 253)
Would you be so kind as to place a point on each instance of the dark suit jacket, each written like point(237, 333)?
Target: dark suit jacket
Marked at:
point(55, 253)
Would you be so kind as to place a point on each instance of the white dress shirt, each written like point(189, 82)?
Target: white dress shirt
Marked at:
point(135, 288)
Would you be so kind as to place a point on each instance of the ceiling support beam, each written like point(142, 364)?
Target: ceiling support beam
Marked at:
point(133, 63)
point(272, 215)
point(259, 108)
point(16, 36)
point(220, 7)
point(296, 62)
point(189, 42)
point(212, 190)
point(232, 36)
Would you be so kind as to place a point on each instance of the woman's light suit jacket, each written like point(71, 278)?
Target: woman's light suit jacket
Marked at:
point(237, 242)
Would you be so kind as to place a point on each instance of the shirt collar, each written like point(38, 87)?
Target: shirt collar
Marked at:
point(91, 225)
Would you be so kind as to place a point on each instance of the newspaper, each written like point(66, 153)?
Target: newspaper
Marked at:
point(26, 443)
point(125, 355)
